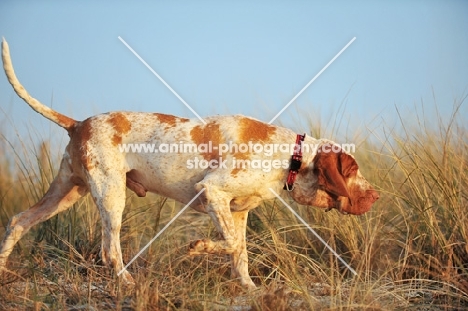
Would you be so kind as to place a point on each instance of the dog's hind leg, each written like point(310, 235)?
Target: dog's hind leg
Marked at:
point(107, 187)
point(60, 196)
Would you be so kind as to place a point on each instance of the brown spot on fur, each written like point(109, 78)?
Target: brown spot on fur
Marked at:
point(120, 123)
point(169, 120)
point(80, 135)
point(206, 134)
point(116, 139)
point(255, 131)
point(121, 126)
point(234, 171)
point(239, 166)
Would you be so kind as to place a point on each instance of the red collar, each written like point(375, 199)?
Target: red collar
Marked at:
point(296, 161)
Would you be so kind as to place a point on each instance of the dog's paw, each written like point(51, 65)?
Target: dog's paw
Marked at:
point(127, 279)
point(200, 247)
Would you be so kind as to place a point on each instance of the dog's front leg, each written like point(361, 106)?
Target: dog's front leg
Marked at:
point(232, 228)
point(239, 258)
point(219, 210)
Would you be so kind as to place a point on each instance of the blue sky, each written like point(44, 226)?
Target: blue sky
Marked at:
point(230, 57)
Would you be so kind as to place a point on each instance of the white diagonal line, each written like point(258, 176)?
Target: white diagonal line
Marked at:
point(161, 79)
point(314, 232)
point(313, 79)
point(160, 232)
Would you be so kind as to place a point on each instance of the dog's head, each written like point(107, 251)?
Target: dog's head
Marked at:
point(333, 180)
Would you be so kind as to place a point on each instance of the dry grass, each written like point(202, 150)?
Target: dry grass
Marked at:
point(410, 251)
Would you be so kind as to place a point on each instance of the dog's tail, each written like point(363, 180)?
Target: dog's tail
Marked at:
point(60, 119)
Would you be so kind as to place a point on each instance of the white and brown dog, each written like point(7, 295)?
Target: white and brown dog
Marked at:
point(94, 163)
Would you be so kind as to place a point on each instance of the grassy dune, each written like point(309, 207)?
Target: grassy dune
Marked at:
point(410, 251)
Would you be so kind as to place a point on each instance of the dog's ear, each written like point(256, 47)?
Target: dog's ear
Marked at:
point(349, 167)
point(331, 169)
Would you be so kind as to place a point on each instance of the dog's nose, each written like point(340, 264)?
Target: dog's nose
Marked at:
point(374, 194)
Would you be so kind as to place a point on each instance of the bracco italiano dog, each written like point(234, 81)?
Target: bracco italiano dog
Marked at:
point(234, 160)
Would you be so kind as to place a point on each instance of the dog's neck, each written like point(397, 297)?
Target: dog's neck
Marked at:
point(306, 189)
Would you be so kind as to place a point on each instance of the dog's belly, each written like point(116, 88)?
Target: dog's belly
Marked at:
point(168, 175)
point(164, 175)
